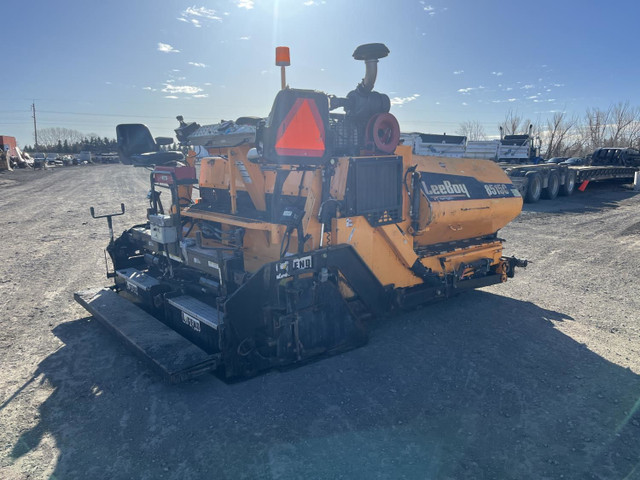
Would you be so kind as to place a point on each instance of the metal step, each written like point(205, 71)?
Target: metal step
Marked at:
point(197, 309)
point(137, 278)
point(170, 354)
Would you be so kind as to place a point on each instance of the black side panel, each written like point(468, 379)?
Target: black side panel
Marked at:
point(248, 303)
point(374, 189)
point(292, 309)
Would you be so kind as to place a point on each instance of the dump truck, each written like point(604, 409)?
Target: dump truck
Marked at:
point(306, 224)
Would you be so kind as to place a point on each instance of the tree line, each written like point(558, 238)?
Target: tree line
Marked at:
point(566, 135)
point(65, 140)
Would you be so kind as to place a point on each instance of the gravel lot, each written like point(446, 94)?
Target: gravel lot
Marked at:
point(537, 378)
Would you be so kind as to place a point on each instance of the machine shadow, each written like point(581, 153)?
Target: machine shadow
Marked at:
point(479, 386)
point(598, 196)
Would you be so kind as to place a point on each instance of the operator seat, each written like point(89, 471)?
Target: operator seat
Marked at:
point(136, 146)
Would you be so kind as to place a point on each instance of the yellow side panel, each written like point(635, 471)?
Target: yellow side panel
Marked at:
point(375, 250)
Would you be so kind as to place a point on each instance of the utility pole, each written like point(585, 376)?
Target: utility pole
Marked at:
point(35, 129)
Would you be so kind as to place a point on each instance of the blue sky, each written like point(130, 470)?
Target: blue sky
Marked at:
point(90, 65)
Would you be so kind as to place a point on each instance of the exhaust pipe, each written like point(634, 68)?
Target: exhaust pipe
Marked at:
point(370, 53)
point(370, 74)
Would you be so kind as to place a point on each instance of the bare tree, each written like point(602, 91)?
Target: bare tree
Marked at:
point(557, 138)
point(53, 136)
point(511, 123)
point(594, 128)
point(514, 124)
point(472, 129)
point(624, 125)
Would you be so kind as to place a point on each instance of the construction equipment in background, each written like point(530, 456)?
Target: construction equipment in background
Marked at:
point(308, 223)
point(8, 152)
point(13, 157)
point(621, 157)
point(509, 149)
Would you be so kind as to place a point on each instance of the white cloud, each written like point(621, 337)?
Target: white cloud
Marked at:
point(527, 86)
point(245, 38)
point(150, 89)
point(437, 103)
point(170, 96)
point(201, 95)
point(511, 100)
point(201, 12)
point(497, 74)
point(165, 47)
point(558, 84)
point(197, 64)
point(403, 100)
point(466, 91)
point(196, 15)
point(458, 72)
point(464, 104)
point(532, 97)
point(308, 3)
point(508, 89)
point(188, 89)
point(248, 4)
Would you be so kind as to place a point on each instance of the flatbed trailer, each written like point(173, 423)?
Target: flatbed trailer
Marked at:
point(550, 180)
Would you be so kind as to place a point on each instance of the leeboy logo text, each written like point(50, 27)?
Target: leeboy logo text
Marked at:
point(446, 188)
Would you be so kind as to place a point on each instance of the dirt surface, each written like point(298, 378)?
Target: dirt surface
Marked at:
point(537, 378)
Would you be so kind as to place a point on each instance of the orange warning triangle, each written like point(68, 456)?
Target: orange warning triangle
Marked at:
point(302, 131)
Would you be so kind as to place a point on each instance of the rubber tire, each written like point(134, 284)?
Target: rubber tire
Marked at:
point(533, 194)
point(569, 184)
point(553, 186)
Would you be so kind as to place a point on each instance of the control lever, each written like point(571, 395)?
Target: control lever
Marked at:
point(109, 221)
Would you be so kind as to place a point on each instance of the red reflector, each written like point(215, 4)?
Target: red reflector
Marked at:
point(302, 131)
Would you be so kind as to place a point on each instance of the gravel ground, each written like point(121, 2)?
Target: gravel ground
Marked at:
point(537, 378)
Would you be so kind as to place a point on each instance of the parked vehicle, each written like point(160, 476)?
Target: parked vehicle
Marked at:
point(84, 156)
point(573, 161)
point(53, 159)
